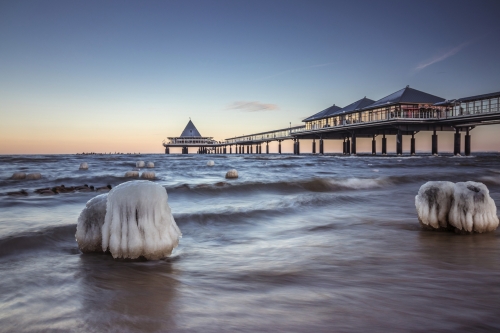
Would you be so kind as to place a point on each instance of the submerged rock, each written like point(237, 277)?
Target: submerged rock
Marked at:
point(210, 163)
point(132, 174)
point(34, 176)
point(433, 203)
point(148, 175)
point(84, 166)
point(88, 228)
point(139, 164)
point(18, 175)
point(150, 165)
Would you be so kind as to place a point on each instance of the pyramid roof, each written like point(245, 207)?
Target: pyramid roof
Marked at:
point(405, 95)
point(358, 105)
point(190, 130)
point(326, 112)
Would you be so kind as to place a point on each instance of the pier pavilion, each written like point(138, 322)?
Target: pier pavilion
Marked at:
point(191, 137)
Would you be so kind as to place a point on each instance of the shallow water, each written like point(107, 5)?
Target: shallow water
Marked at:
point(296, 244)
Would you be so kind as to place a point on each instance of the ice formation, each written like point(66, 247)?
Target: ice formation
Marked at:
point(210, 163)
point(150, 165)
point(462, 207)
point(88, 229)
point(84, 166)
point(132, 174)
point(18, 175)
point(139, 222)
point(232, 174)
point(32, 176)
point(139, 164)
point(148, 175)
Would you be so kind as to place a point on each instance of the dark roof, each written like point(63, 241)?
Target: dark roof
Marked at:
point(406, 95)
point(328, 111)
point(358, 105)
point(478, 97)
point(190, 130)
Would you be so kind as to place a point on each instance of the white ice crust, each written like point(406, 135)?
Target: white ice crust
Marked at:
point(88, 229)
point(18, 175)
point(232, 174)
point(139, 222)
point(464, 207)
point(148, 175)
point(139, 164)
point(150, 165)
point(132, 174)
point(210, 163)
point(84, 166)
point(33, 176)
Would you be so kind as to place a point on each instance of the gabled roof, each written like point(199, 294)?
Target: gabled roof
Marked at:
point(328, 111)
point(406, 95)
point(358, 105)
point(190, 130)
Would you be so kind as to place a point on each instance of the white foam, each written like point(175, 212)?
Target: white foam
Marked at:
point(84, 166)
point(140, 164)
point(139, 222)
point(433, 203)
point(210, 163)
point(33, 176)
point(232, 174)
point(148, 175)
point(18, 175)
point(150, 165)
point(473, 210)
point(132, 174)
point(88, 229)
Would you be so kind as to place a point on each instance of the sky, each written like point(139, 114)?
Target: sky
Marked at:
point(122, 76)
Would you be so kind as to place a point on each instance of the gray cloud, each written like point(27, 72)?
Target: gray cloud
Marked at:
point(252, 106)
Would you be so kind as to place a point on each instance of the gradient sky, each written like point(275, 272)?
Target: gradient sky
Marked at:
point(108, 76)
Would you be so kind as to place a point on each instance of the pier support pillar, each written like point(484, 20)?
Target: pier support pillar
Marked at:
point(374, 146)
point(314, 146)
point(260, 148)
point(184, 150)
point(399, 143)
point(456, 148)
point(279, 146)
point(298, 147)
point(353, 143)
point(344, 150)
point(251, 149)
point(230, 149)
point(167, 150)
point(412, 146)
point(384, 145)
point(348, 146)
point(225, 150)
point(294, 147)
point(248, 149)
point(467, 143)
point(434, 143)
point(267, 147)
point(321, 147)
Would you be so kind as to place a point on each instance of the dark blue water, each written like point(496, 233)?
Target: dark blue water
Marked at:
point(295, 244)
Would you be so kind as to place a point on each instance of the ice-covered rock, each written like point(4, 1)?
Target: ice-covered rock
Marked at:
point(150, 165)
point(472, 209)
point(18, 175)
point(232, 174)
point(88, 229)
point(139, 164)
point(210, 163)
point(33, 176)
point(132, 174)
point(84, 166)
point(148, 175)
point(139, 222)
point(433, 203)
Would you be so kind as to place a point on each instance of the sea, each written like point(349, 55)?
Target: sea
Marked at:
point(296, 244)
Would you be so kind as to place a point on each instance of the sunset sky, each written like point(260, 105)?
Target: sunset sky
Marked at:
point(109, 76)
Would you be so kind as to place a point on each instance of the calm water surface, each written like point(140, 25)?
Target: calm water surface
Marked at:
point(296, 244)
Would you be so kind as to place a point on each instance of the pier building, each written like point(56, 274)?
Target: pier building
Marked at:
point(191, 137)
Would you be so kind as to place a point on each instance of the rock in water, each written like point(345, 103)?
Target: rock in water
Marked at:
point(88, 229)
point(84, 166)
point(139, 222)
point(433, 203)
point(210, 163)
point(132, 174)
point(148, 175)
point(472, 209)
point(232, 174)
point(139, 164)
point(150, 165)
point(33, 176)
point(18, 175)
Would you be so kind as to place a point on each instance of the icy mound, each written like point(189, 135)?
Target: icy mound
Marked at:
point(132, 174)
point(148, 175)
point(473, 210)
point(18, 175)
point(33, 176)
point(232, 174)
point(139, 164)
point(210, 163)
point(433, 203)
point(88, 229)
point(150, 165)
point(84, 166)
point(462, 207)
point(139, 222)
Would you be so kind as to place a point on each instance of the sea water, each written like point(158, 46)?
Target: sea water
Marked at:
point(295, 244)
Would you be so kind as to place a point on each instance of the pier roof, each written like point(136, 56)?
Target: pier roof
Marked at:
point(322, 114)
point(358, 105)
point(190, 130)
point(405, 95)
